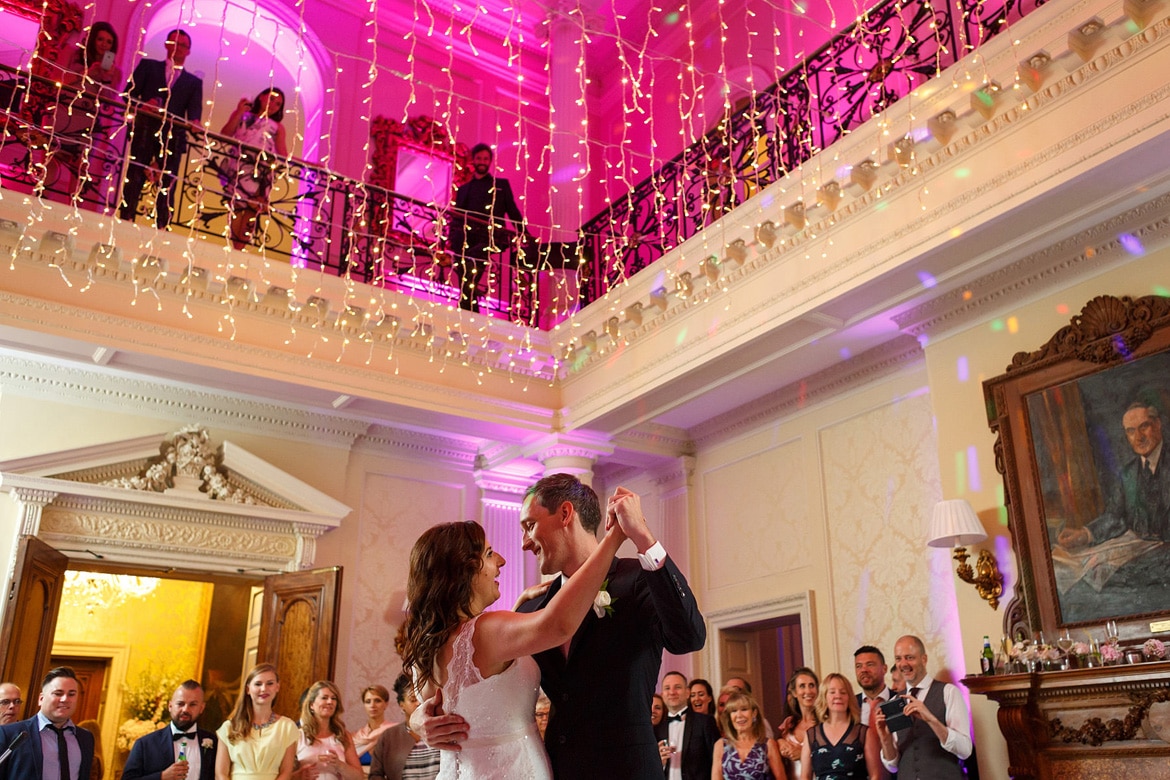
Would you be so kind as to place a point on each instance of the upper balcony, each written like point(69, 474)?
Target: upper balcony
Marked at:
point(921, 163)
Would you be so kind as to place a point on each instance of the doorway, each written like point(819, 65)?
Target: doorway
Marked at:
point(764, 643)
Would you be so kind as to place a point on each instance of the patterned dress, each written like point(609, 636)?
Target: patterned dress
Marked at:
point(842, 761)
point(754, 767)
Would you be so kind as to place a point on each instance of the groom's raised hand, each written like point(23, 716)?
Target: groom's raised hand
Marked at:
point(436, 728)
point(625, 507)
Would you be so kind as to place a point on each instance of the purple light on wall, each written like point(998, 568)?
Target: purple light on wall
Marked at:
point(961, 368)
point(927, 280)
point(974, 483)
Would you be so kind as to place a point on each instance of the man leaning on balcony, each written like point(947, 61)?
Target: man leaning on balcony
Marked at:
point(168, 98)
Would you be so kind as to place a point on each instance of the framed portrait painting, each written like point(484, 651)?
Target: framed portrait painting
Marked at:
point(1081, 424)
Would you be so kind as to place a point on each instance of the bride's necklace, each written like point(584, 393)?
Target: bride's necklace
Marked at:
point(261, 726)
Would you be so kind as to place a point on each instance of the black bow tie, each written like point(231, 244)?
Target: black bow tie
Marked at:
point(182, 735)
point(675, 718)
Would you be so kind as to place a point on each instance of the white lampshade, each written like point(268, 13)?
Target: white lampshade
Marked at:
point(954, 524)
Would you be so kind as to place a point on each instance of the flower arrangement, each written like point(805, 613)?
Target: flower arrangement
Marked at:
point(144, 704)
point(1154, 650)
point(1081, 649)
point(1110, 653)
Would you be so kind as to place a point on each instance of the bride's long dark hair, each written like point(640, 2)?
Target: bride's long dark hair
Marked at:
point(438, 593)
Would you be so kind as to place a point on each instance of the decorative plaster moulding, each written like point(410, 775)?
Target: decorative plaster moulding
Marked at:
point(181, 528)
point(1035, 142)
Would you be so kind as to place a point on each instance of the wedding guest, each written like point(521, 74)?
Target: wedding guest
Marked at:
point(94, 65)
point(10, 702)
point(324, 748)
point(657, 709)
point(543, 708)
point(179, 749)
point(247, 173)
point(686, 738)
point(702, 697)
point(742, 684)
point(55, 747)
point(801, 716)
point(839, 747)
point(255, 743)
point(725, 694)
point(744, 752)
point(169, 100)
point(399, 753)
point(375, 698)
point(97, 769)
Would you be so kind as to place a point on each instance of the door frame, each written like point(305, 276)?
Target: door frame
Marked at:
point(800, 603)
point(119, 658)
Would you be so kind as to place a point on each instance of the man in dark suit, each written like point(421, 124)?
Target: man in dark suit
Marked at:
point(53, 747)
point(165, 92)
point(180, 751)
point(869, 665)
point(685, 738)
point(1140, 502)
point(602, 682)
point(477, 223)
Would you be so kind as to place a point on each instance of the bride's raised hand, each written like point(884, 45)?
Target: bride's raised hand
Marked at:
point(532, 592)
point(625, 508)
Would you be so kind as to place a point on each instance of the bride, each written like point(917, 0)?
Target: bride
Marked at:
point(478, 664)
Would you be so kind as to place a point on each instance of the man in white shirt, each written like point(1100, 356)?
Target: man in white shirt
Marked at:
point(940, 733)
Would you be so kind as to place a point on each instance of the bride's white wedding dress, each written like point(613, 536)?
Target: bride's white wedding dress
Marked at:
point(502, 743)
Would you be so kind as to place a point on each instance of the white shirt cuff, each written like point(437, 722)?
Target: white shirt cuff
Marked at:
point(654, 558)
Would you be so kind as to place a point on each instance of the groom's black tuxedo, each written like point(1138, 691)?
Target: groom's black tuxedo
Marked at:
point(698, 742)
point(600, 720)
point(153, 753)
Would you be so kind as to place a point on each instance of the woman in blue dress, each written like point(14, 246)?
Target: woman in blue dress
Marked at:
point(839, 747)
point(745, 752)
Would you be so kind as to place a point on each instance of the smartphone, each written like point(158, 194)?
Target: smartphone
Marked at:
point(107, 60)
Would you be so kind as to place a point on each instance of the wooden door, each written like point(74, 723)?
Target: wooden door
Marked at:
point(91, 679)
point(30, 616)
point(740, 655)
point(298, 632)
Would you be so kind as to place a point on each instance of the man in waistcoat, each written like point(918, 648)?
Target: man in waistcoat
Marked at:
point(939, 736)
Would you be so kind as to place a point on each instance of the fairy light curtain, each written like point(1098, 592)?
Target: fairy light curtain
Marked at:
point(625, 126)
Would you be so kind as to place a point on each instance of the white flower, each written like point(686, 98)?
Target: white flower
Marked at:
point(207, 744)
point(603, 602)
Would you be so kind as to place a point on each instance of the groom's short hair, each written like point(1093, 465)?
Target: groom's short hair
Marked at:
point(556, 489)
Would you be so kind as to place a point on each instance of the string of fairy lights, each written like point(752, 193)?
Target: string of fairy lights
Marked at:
point(646, 81)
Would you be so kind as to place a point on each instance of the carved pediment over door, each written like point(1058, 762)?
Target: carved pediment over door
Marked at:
point(172, 501)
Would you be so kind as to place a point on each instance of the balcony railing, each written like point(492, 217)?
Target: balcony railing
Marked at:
point(888, 52)
point(72, 146)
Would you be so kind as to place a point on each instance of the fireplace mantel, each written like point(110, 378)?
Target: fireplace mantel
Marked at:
point(1111, 721)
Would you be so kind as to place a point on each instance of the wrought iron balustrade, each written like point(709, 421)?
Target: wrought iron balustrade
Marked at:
point(890, 50)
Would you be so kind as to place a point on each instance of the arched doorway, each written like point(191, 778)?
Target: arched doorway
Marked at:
point(248, 46)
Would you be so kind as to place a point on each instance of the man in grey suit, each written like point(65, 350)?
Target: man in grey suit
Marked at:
point(49, 746)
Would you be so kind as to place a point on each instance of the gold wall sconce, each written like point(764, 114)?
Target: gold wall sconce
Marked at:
point(955, 524)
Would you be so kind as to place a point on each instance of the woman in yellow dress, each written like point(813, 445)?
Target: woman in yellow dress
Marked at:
point(256, 743)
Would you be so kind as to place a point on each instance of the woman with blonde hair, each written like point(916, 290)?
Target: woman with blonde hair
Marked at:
point(745, 752)
point(255, 743)
point(839, 747)
point(324, 748)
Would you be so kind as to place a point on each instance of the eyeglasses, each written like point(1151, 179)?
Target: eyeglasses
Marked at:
point(11, 703)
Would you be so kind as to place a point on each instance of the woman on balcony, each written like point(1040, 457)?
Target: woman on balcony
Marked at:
point(246, 174)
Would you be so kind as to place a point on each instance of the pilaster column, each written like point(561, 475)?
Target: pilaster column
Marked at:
point(573, 453)
point(32, 503)
point(501, 497)
point(568, 115)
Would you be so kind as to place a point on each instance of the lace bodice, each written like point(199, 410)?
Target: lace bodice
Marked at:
point(502, 743)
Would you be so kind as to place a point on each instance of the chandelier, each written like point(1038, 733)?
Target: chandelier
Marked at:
point(95, 590)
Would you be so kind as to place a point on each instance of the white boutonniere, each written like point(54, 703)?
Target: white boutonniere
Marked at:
point(207, 744)
point(603, 602)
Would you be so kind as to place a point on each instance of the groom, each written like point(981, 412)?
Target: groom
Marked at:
point(602, 682)
point(180, 751)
